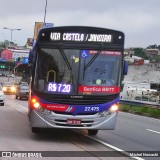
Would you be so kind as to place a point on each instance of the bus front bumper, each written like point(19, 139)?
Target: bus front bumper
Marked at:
point(54, 120)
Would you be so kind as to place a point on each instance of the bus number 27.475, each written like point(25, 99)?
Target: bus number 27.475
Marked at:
point(93, 109)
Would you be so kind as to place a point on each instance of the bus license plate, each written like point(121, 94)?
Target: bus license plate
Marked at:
point(73, 121)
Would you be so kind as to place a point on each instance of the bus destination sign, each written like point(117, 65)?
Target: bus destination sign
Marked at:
point(80, 37)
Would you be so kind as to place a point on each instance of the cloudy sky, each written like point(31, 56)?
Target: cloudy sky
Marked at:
point(138, 19)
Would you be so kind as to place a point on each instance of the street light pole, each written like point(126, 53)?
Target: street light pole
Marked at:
point(45, 14)
point(11, 29)
point(3, 37)
point(3, 40)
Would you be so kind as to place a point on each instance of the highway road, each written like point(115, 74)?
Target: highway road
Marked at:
point(133, 133)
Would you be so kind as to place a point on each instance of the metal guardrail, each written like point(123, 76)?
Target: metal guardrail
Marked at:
point(140, 103)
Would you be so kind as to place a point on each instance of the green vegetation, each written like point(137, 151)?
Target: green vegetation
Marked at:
point(141, 110)
point(157, 58)
point(154, 46)
point(140, 52)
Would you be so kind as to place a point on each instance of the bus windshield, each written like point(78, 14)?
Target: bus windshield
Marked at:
point(77, 71)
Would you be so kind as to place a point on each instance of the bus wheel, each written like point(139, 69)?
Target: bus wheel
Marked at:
point(92, 132)
point(35, 130)
point(16, 97)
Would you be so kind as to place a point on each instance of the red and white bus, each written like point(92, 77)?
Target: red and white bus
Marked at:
point(76, 78)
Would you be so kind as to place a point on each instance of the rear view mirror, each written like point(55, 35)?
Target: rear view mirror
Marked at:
point(125, 68)
point(30, 59)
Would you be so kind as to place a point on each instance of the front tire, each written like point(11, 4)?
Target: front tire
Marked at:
point(92, 132)
point(35, 130)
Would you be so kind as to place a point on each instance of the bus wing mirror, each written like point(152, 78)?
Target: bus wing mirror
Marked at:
point(125, 68)
point(30, 59)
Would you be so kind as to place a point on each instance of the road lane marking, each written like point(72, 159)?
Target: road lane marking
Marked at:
point(17, 104)
point(115, 148)
point(23, 106)
point(111, 146)
point(153, 131)
point(134, 115)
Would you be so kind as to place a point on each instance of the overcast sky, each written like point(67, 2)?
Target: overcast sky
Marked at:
point(138, 19)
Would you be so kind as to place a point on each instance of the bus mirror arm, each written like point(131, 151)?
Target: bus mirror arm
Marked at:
point(121, 87)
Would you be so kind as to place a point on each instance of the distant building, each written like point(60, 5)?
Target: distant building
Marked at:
point(13, 54)
point(152, 52)
point(6, 54)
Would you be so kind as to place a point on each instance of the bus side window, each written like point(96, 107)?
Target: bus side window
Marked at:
point(51, 76)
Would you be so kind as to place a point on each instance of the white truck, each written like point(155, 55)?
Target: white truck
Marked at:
point(141, 91)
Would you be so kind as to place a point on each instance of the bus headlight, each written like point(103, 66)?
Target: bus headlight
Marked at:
point(43, 111)
point(113, 108)
point(36, 105)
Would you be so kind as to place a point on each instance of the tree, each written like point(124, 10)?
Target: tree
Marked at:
point(153, 47)
point(4, 44)
point(140, 53)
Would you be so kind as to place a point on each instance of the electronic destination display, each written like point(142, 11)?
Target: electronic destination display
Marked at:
point(80, 37)
point(80, 34)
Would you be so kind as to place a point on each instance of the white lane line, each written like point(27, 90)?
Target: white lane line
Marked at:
point(17, 104)
point(153, 131)
point(115, 148)
point(22, 106)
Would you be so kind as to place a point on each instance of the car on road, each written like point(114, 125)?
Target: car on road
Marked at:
point(22, 91)
point(1, 96)
point(8, 87)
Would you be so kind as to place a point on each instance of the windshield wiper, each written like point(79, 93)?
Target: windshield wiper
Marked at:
point(64, 56)
point(92, 60)
point(94, 57)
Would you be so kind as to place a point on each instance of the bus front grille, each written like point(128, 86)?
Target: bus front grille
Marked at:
point(86, 100)
point(70, 113)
